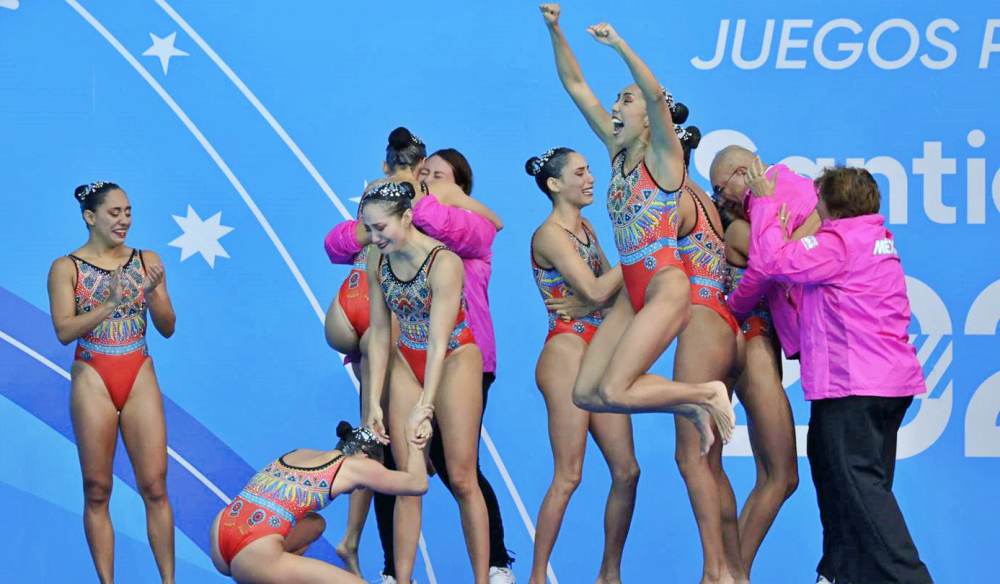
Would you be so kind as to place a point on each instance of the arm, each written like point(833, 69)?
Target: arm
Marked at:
point(668, 154)
point(464, 232)
point(809, 227)
point(446, 278)
point(572, 79)
point(551, 246)
point(754, 284)
point(345, 241)
point(454, 196)
point(815, 259)
point(379, 347)
point(157, 298)
point(62, 288)
point(363, 472)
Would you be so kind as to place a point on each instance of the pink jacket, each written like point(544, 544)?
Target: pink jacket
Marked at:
point(465, 233)
point(854, 311)
point(799, 193)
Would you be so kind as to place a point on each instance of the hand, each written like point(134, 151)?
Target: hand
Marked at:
point(115, 288)
point(154, 275)
point(418, 427)
point(374, 422)
point(604, 34)
point(569, 307)
point(551, 13)
point(759, 184)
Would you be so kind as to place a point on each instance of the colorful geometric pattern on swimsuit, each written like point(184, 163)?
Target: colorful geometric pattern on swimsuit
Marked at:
point(643, 216)
point(410, 301)
point(551, 283)
point(125, 330)
point(287, 491)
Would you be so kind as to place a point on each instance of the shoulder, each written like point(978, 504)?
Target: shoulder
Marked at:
point(62, 265)
point(445, 260)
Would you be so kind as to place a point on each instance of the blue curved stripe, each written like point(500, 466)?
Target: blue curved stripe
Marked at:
point(45, 394)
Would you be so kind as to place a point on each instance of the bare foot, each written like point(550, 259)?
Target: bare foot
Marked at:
point(349, 555)
point(721, 409)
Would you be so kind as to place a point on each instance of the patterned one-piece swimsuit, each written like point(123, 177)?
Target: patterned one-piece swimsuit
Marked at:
point(551, 284)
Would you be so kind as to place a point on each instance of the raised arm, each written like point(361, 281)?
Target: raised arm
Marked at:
point(70, 326)
point(572, 79)
point(379, 347)
point(667, 160)
point(157, 298)
point(363, 472)
point(446, 278)
point(552, 246)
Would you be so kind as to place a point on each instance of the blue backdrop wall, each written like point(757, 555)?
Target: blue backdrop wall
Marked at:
point(243, 131)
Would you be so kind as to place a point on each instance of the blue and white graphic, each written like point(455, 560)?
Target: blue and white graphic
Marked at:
point(243, 131)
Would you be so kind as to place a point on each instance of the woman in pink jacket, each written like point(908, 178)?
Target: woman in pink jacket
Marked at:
point(858, 368)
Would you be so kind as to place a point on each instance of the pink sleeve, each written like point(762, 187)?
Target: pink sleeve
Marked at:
point(342, 243)
point(749, 292)
point(465, 233)
point(811, 260)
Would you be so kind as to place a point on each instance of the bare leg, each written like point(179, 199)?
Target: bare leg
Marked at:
point(613, 434)
point(458, 409)
point(265, 561)
point(360, 502)
point(705, 350)
point(772, 436)
point(554, 374)
point(306, 531)
point(95, 424)
point(407, 514)
point(145, 435)
point(620, 383)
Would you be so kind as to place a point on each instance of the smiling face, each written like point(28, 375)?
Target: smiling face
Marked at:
point(574, 184)
point(112, 219)
point(628, 117)
point(388, 231)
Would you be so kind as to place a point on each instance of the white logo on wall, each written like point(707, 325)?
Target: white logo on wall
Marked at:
point(982, 435)
point(933, 168)
point(933, 45)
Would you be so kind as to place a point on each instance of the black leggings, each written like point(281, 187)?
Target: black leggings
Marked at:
point(384, 504)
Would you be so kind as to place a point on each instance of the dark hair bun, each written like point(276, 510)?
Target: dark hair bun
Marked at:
point(694, 137)
point(533, 166)
point(679, 112)
point(407, 189)
point(344, 429)
point(78, 192)
point(400, 138)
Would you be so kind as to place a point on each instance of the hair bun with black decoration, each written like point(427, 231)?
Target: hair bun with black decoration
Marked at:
point(344, 429)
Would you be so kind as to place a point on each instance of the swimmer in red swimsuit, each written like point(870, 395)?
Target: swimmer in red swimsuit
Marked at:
point(567, 261)
point(100, 296)
point(421, 283)
point(647, 171)
point(261, 535)
point(772, 429)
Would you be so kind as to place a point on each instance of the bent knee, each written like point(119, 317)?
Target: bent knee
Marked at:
point(566, 480)
point(464, 482)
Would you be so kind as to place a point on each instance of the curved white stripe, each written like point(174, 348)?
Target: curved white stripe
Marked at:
point(170, 451)
point(278, 129)
point(209, 149)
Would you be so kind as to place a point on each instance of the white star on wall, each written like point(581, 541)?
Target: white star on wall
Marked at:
point(164, 49)
point(201, 236)
point(11, 4)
